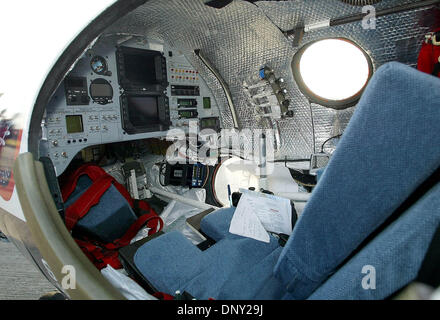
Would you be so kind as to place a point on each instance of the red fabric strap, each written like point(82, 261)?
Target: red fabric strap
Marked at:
point(163, 296)
point(103, 254)
point(92, 171)
point(87, 200)
point(101, 182)
point(100, 257)
point(150, 220)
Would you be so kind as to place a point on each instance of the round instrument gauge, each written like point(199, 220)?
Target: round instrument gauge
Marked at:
point(99, 65)
point(101, 91)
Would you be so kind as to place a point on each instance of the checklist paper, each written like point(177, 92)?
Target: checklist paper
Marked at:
point(258, 213)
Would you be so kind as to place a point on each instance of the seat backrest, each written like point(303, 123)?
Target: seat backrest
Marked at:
point(391, 260)
point(389, 148)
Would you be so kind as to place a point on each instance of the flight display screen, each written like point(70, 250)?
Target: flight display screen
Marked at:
point(143, 110)
point(74, 124)
point(206, 103)
point(210, 123)
point(101, 90)
point(76, 82)
point(139, 68)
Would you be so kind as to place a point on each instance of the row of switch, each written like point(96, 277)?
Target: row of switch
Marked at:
point(98, 128)
point(184, 78)
point(104, 117)
point(55, 131)
point(110, 117)
point(56, 119)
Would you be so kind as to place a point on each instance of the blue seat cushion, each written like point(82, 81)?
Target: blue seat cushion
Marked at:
point(109, 219)
point(216, 224)
point(233, 268)
point(389, 148)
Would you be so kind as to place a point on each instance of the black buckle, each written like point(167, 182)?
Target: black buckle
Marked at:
point(283, 239)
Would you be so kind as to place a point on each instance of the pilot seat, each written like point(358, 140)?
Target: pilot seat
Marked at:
point(375, 207)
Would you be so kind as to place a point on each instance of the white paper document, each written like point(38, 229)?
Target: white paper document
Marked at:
point(257, 214)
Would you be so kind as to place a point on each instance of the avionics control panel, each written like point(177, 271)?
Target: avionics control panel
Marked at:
point(187, 92)
point(122, 91)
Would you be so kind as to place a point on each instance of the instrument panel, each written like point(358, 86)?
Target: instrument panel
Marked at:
point(123, 92)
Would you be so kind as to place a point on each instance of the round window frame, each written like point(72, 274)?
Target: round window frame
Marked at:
point(315, 98)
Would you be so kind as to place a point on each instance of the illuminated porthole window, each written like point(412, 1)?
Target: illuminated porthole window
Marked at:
point(332, 72)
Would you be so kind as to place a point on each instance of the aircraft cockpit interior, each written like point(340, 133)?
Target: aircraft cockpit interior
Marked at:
point(244, 150)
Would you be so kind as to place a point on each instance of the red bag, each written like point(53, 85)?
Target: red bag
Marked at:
point(429, 57)
point(102, 254)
